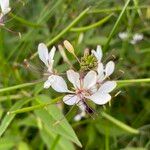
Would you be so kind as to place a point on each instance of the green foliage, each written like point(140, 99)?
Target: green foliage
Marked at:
point(29, 116)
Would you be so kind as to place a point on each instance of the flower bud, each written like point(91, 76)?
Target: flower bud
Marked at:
point(69, 47)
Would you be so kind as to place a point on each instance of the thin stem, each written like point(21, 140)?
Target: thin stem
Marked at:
point(23, 21)
point(68, 27)
point(100, 22)
point(116, 25)
point(31, 108)
point(133, 81)
point(64, 31)
point(17, 87)
point(116, 9)
point(120, 124)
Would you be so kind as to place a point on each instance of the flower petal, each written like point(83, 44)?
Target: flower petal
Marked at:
point(100, 98)
point(109, 69)
point(73, 77)
point(43, 53)
point(47, 84)
point(5, 6)
point(89, 80)
point(98, 53)
point(100, 71)
point(107, 87)
point(52, 53)
point(59, 84)
point(70, 99)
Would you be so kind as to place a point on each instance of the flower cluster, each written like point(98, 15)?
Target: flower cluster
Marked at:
point(137, 37)
point(93, 84)
point(5, 9)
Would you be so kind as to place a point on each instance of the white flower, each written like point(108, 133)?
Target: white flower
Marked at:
point(46, 57)
point(5, 8)
point(105, 72)
point(136, 38)
point(98, 53)
point(123, 35)
point(82, 86)
point(55, 81)
point(83, 89)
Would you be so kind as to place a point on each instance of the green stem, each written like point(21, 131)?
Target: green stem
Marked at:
point(133, 81)
point(116, 25)
point(23, 21)
point(31, 108)
point(17, 87)
point(100, 22)
point(120, 124)
point(67, 28)
point(57, 37)
point(116, 9)
point(55, 142)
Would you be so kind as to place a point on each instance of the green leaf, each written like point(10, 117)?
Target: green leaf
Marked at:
point(8, 118)
point(50, 137)
point(7, 143)
point(51, 115)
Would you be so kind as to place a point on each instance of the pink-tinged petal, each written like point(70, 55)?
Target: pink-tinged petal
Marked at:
point(100, 98)
point(52, 53)
point(73, 77)
point(89, 80)
point(109, 69)
point(43, 53)
point(47, 84)
point(70, 99)
point(59, 84)
point(107, 87)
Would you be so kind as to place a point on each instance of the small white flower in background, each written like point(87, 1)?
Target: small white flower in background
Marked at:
point(136, 38)
point(5, 8)
point(82, 114)
point(55, 81)
point(123, 35)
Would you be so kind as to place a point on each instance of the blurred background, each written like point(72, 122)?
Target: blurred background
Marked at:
point(42, 21)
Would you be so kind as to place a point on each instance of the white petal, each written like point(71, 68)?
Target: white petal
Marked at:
point(70, 99)
point(110, 67)
point(99, 52)
point(89, 80)
point(43, 53)
point(73, 77)
point(47, 84)
point(100, 98)
point(100, 68)
point(59, 84)
point(5, 6)
point(78, 117)
point(52, 53)
point(107, 87)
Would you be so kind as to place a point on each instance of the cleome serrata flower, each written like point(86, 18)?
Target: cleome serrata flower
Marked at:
point(54, 80)
point(91, 85)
